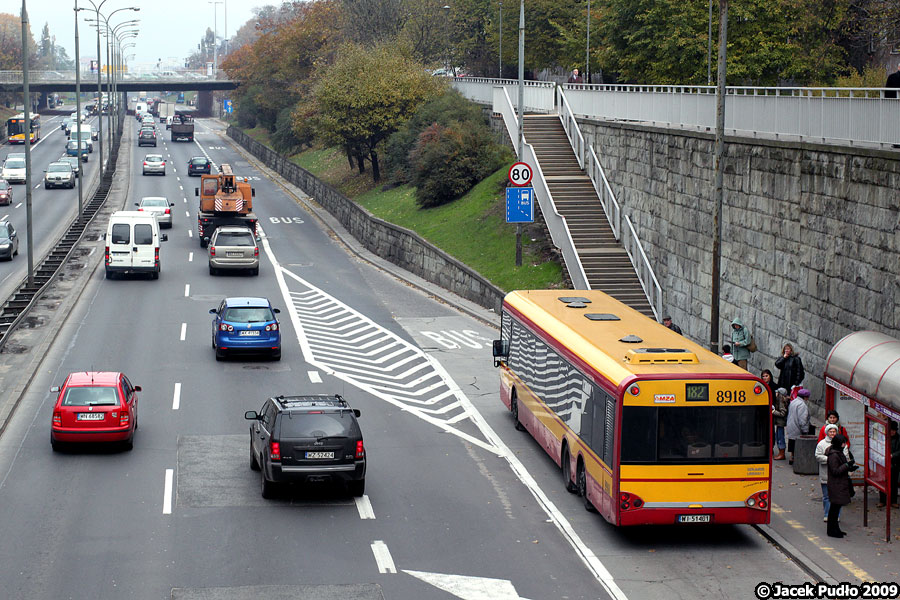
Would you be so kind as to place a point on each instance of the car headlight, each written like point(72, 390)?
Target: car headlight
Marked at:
point(5, 245)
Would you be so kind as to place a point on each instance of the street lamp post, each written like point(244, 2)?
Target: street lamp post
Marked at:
point(521, 145)
point(78, 115)
point(26, 135)
point(215, 37)
point(500, 53)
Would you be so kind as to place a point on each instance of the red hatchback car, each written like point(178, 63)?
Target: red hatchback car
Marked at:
point(95, 407)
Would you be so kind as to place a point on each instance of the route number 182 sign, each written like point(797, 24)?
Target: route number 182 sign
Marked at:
point(520, 174)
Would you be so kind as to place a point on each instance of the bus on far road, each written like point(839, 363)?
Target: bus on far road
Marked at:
point(646, 426)
point(15, 128)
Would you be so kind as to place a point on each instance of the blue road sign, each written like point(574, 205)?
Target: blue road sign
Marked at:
point(520, 205)
point(227, 105)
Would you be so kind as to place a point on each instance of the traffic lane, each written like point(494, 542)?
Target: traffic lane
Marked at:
point(692, 562)
point(52, 209)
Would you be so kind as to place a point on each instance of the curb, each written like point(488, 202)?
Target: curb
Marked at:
point(801, 560)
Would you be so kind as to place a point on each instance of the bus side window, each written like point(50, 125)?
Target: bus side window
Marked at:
point(598, 423)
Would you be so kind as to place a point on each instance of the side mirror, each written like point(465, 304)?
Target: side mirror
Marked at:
point(276, 311)
point(55, 388)
point(500, 351)
point(163, 237)
point(138, 388)
point(206, 241)
point(251, 415)
point(137, 203)
point(171, 204)
point(356, 412)
point(196, 191)
point(253, 192)
point(212, 311)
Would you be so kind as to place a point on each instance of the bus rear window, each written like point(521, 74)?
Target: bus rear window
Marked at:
point(688, 435)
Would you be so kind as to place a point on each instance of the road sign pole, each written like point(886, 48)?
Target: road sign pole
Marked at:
point(518, 244)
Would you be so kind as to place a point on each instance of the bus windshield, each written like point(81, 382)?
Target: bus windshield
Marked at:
point(687, 435)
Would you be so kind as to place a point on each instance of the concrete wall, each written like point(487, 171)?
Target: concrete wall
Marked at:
point(810, 235)
point(396, 244)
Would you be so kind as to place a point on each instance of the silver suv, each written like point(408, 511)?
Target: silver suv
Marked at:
point(59, 174)
point(233, 247)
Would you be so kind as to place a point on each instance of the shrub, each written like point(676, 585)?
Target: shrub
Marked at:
point(447, 108)
point(283, 138)
point(447, 161)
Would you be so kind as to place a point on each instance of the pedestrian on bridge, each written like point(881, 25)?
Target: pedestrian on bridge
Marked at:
point(576, 77)
point(893, 81)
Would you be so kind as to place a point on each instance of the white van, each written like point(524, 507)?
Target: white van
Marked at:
point(132, 243)
point(139, 109)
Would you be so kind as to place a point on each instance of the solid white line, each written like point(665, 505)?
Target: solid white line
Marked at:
point(176, 397)
point(37, 186)
point(315, 377)
point(183, 329)
point(364, 506)
point(187, 288)
point(191, 257)
point(383, 557)
point(167, 494)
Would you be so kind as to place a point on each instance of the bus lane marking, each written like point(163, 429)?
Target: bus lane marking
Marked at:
point(383, 557)
point(364, 506)
point(315, 377)
point(347, 368)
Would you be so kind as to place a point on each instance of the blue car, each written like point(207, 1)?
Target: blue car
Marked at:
point(246, 326)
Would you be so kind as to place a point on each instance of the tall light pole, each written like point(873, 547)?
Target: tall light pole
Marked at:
point(709, 47)
point(521, 151)
point(720, 172)
point(26, 135)
point(587, 54)
point(78, 114)
point(215, 37)
point(501, 42)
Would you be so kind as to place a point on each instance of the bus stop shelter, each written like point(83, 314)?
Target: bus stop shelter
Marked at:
point(862, 382)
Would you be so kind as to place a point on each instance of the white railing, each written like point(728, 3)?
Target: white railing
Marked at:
point(830, 115)
point(588, 160)
point(87, 76)
point(556, 223)
point(538, 94)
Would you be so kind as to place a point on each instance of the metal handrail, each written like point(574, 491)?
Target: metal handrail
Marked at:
point(556, 223)
point(570, 125)
point(643, 269)
point(604, 191)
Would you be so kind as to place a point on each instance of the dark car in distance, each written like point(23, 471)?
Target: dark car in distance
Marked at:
point(147, 137)
point(305, 439)
point(198, 165)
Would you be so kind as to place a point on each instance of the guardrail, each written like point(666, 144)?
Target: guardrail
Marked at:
point(88, 77)
point(538, 95)
point(556, 223)
point(841, 116)
point(588, 160)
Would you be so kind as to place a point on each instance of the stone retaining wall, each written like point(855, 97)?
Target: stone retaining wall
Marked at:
point(810, 234)
point(396, 244)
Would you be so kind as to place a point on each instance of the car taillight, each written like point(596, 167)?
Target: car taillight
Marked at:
point(272, 327)
point(274, 450)
point(124, 418)
point(145, 163)
point(156, 257)
point(57, 418)
point(168, 211)
point(140, 209)
point(256, 251)
point(107, 255)
point(225, 327)
point(360, 449)
point(212, 250)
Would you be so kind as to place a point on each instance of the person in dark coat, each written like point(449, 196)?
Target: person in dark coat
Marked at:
point(839, 484)
point(790, 367)
point(575, 77)
point(893, 81)
point(894, 479)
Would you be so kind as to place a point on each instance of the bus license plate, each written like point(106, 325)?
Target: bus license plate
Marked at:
point(694, 518)
point(320, 455)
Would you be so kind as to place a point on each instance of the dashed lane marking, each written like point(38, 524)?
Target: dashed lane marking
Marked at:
point(167, 492)
point(383, 557)
point(191, 257)
point(176, 397)
point(364, 506)
point(187, 287)
point(315, 377)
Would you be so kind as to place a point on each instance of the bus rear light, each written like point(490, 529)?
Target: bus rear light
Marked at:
point(634, 390)
point(757, 389)
point(759, 500)
point(629, 501)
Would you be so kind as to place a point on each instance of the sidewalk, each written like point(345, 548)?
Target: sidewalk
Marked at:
point(797, 518)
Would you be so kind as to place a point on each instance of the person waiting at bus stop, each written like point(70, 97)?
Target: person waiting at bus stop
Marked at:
point(797, 420)
point(840, 488)
point(821, 458)
point(894, 479)
point(740, 342)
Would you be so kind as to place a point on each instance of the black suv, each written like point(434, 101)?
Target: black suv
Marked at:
point(299, 439)
point(199, 164)
point(147, 136)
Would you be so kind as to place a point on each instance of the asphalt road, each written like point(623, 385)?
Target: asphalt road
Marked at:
point(458, 504)
point(52, 209)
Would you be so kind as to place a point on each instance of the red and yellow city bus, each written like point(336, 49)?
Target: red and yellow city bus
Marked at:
point(647, 426)
point(15, 128)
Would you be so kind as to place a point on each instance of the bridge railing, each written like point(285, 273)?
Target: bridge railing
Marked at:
point(556, 223)
point(828, 115)
point(88, 76)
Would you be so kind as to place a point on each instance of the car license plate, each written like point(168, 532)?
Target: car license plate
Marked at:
point(251, 332)
point(694, 518)
point(320, 455)
point(234, 254)
point(91, 416)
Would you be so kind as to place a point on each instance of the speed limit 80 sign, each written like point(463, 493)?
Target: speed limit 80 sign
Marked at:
point(520, 174)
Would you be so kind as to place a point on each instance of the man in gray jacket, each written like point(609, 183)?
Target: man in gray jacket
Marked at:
point(740, 339)
point(797, 420)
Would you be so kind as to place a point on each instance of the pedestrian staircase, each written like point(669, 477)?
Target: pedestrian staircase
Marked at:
point(605, 261)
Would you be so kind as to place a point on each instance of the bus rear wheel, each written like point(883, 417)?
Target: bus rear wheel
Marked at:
point(515, 413)
point(582, 489)
point(571, 486)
